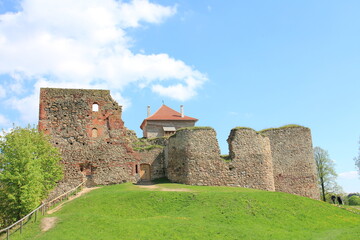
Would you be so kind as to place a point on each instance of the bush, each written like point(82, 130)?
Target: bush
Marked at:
point(354, 200)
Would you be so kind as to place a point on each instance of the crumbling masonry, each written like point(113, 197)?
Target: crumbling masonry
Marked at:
point(86, 126)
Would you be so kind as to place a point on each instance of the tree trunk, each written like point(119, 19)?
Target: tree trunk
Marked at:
point(323, 189)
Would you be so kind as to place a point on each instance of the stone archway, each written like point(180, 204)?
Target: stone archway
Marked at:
point(145, 172)
point(87, 171)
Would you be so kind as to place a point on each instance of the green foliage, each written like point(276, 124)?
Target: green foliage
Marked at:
point(144, 144)
point(326, 172)
point(147, 148)
point(283, 127)
point(128, 212)
point(225, 157)
point(29, 170)
point(354, 200)
point(243, 128)
point(195, 128)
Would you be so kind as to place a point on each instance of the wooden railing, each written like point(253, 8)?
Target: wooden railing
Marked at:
point(42, 208)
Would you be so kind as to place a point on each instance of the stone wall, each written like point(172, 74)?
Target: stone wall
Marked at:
point(277, 159)
point(293, 160)
point(93, 141)
point(155, 158)
point(194, 158)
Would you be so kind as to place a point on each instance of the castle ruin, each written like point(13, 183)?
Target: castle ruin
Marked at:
point(87, 127)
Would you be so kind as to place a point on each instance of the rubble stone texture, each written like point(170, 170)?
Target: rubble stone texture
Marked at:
point(93, 142)
point(86, 126)
point(251, 159)
point(293, 161)
point(194, 158)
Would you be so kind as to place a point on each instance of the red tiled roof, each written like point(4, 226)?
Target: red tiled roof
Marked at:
point(166, 113)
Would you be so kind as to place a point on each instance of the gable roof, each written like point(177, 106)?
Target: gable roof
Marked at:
point(166, 113)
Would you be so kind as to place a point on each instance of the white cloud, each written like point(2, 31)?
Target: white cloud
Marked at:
point(84, 44)
point(124, 102)
point(142, 10)
point(349, 175)
point(27, 106)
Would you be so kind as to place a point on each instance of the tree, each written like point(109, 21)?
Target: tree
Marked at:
point(326, 172)
point(354, 200)
point(357, 161)
point(29, 169)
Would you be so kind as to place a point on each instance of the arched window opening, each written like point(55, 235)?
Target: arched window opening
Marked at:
point(95, 107)
point(94, 133)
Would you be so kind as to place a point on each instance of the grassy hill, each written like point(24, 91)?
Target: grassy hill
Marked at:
point(175, 211)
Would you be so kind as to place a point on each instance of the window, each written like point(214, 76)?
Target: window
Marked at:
point(95, 107)
point(94, 133)
point(168, 131)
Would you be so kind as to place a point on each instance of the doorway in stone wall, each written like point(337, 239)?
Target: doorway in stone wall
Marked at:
point(145, 172)
point(87, 170)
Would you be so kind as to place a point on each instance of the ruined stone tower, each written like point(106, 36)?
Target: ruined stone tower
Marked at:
point(293, 160)
point(86, 126)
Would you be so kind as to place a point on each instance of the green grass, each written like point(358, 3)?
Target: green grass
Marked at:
point(195, 128)
point(147, 148)
point(225, 157)
point(240, 128)
point(282, 127)
point(129, 212)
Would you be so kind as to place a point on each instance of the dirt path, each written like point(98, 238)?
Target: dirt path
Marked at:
point(48, 223)
point(82, 192)
point(158, 188)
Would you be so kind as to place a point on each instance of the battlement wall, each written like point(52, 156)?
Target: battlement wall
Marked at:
point(294, 166)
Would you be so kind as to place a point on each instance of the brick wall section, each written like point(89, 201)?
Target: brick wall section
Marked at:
point(67, 116)
point(293, 161)
point(251, 160)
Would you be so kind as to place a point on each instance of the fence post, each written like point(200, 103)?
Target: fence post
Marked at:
point(43, 208)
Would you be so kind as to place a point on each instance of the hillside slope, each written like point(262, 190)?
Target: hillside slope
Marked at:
point(174, 211)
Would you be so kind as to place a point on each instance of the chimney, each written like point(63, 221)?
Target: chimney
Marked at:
point(182, 110)
point(148, 111)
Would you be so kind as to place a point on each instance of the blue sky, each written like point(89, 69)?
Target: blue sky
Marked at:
point(258, 64)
